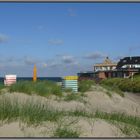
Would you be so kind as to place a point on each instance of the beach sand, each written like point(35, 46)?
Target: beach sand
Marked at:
point(96, 99)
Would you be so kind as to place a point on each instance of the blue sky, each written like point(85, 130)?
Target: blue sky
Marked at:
point(65, 38)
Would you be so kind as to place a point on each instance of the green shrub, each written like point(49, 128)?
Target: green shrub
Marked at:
point(71, 96)
point(113, 82)
point(42, 88)
point(111, 88)
point(109, 94)
point(68, 90)
point(85, 85)
point(123, 84)
point(1, 86)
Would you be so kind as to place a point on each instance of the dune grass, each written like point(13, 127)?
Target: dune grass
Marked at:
point(42, 88)
point(66, 133)
point(30, 112)
point(119, 117)
point(85, 85)
point(111, 89)
point(129, 125)
point(80, 113)
point(1, 86)
point(72, 96)
point(128, 130)
point(35, 112)
point(45, 89)
point(67, 90)
point(75, 97)
point(123, 84)
point(109, 93)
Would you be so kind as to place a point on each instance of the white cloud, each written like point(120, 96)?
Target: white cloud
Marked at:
point(54, 64)
point(68, 59)
point(60, 65)
point(30, 61)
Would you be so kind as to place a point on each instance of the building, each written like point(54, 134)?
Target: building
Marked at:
point(100, 75)
point(106, 65)
point(125, 68)
point(129, 63)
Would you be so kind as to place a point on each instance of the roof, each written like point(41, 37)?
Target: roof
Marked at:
point(106, 62)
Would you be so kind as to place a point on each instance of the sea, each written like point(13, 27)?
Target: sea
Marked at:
point(54, 79)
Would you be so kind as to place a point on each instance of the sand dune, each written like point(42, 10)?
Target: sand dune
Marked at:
point(96, 99)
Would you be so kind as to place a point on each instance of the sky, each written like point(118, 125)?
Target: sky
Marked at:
point(65, 38)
